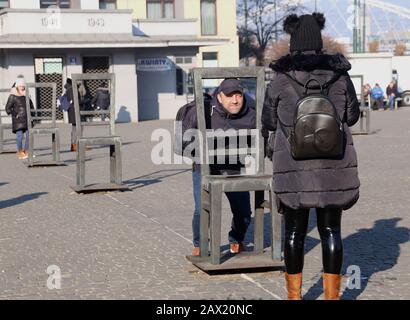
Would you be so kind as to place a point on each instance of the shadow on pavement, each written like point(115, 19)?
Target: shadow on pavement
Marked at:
point(19, 200)
point(153, 178)
point(372, 250)
point(3, 183)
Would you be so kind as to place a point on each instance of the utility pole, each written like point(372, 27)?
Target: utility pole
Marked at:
point(315, 5)
point(356, 27)
point(276, 22)
point(246, 27)
point(364, 27)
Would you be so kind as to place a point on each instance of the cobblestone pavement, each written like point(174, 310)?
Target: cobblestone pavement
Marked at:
point(132, 245)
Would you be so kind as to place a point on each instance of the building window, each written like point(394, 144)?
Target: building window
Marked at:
point(160, 9)
point(63, 4)
point(208, 17)
point(108, 4)
point(184, 84)
point(210, 60)
point(4, 4)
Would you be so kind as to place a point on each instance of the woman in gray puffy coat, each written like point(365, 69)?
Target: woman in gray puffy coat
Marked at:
point(329, 185)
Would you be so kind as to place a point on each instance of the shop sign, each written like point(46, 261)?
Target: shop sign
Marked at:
point(154, 64)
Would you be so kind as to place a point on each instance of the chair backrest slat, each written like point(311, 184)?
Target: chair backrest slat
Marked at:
point(214, 144)
point(78, 78)
point(33, 114)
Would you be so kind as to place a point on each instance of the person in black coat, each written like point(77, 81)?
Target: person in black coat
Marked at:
point(84, 99)
point(328, 185)
point(16, 107)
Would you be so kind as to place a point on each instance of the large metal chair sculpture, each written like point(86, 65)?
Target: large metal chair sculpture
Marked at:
point(43, 121)
point(213, 186)
point(4, 125)
point(111, 140)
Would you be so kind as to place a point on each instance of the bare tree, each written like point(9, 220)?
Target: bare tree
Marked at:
point(374, 46)
point(400, 49)
point(259, 22)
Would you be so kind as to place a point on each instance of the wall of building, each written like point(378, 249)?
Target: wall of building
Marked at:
point(126, 82)
point(139, 7)
point(375, 68)
point(90, 4)
point(25, 4)
point(122, 64)
point(228, 54)
point(157, 98)
point(35, 4)
point(401, 64)
point(378, 67)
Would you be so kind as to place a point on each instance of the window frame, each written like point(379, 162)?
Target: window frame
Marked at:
point(162, 2)
point(216, 18)
point(8, 5)
point(58, 4)
point(108, 1)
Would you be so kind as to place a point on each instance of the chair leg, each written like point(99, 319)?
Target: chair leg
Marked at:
point(258, 222)
point(31, 148)
point(216, 219)
point(118, 163)
point(204, 224)
point(55, 137)
point(1, 138)
point(81, 163)
point(112, 164)
point(276, 228)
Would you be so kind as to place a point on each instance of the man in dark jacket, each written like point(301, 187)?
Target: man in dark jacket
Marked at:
point(328, 185)
point(229, 110)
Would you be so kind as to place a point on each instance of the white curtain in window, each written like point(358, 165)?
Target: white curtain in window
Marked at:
point(154, 10)
point(208, 17)
point(169, 10)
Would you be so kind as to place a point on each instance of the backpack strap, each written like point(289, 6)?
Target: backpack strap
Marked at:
point(297, 86)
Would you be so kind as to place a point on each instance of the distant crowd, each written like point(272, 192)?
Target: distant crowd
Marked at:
point(375, 97)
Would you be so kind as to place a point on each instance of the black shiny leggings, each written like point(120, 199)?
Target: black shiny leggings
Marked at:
point(328, 223)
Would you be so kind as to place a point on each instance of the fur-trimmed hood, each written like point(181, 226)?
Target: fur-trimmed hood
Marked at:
point(310, 62)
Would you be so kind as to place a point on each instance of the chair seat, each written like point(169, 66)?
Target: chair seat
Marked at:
point(239, 183)
point(44, 130)
point(108, 140)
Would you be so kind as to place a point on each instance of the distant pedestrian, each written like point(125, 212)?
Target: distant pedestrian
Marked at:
point(367, 92)
point(16, 106)
point(84, 99)
point(392, 94)
point(378, 98)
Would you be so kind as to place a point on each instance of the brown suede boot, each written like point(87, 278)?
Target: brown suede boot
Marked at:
point(331, 286)
point(294, 286)
point(74, 147)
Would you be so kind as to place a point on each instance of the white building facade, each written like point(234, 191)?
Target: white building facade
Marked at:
point(49, 44)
